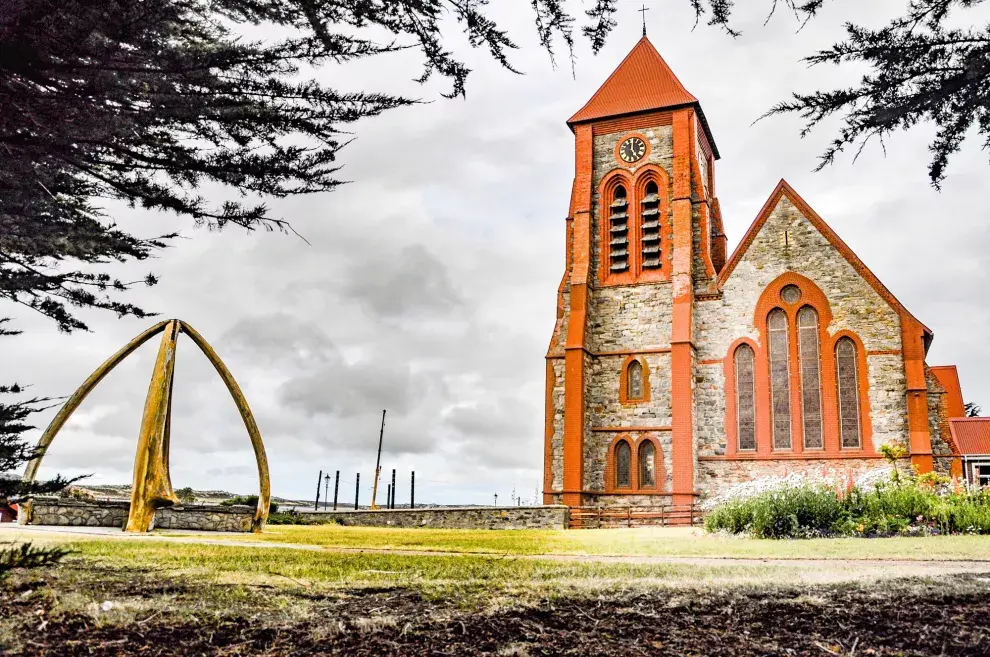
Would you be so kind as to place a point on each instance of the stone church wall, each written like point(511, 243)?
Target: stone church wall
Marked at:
point(855, 306)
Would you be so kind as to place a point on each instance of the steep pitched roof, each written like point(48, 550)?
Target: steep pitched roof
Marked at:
point(949, 378)
point(971, 434)
point(643, 82)
point(784, 189)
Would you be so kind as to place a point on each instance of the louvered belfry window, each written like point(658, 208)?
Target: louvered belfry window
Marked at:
point(618, 230)
point(811, 382)
point(847, 378)
point(780, 390)
point(623, 465)
point(745, 365)
point(647, 465)
point(650, 227)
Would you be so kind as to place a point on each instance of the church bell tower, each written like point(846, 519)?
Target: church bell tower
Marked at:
point(644, 239)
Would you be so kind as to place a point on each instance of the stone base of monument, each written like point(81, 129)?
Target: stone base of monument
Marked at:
point(113, 513)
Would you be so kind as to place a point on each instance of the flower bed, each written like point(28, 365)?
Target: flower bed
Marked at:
point(800, 507)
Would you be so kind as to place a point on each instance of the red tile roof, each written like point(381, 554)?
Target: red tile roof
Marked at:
point(971, 434)
point(642, 83)
point(949, 378)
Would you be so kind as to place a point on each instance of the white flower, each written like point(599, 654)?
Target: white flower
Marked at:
point(106, 606)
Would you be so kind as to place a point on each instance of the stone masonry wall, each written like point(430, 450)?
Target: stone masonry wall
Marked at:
point(524, 517)
point(79, 513)
point(104, 513)
point(715, 477)
point(855, 306)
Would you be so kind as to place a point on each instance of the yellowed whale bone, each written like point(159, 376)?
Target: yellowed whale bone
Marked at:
point(152, 485)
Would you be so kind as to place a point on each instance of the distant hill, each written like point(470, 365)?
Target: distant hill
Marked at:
point(123, 492)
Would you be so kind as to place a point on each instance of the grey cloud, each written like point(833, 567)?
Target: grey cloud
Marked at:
point(410, 282)
point(429, 284)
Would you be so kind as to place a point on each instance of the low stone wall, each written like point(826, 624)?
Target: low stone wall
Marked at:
point(113, 513)
point(77, 513)
point(513, 517)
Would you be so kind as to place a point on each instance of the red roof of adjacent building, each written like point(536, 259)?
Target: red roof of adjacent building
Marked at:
point(949, 378)
point(642, 83)
point(971, 434)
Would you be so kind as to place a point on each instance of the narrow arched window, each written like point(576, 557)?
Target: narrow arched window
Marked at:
point(618, 231)
point(650, 226)
point(647, 465)
point(745, 365)
point(623, 465)
point(847, 379)
point(634, 380)
point(780, 390)
point(811, 380)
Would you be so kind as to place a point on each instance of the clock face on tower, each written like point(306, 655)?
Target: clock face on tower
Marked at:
point(632, 150)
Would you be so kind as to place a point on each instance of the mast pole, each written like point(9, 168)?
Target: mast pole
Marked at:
point(378, 463)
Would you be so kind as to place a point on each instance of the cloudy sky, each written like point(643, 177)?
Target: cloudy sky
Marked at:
point(428, 287)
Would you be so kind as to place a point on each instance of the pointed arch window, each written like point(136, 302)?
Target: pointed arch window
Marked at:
point(618, 222)
point(811, 380)
point(634, 380)
point(847, 379)
point(647, 457)
point(650, 227)
point(745, 371)
point(623, 465)
point(780, 389)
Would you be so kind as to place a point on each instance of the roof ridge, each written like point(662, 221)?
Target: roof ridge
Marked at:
point(783, 189)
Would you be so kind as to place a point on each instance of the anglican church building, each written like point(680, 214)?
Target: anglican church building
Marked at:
point(675, 369)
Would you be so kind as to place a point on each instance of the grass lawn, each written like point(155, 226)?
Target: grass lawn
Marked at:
point(154, 596)
point(655, 542)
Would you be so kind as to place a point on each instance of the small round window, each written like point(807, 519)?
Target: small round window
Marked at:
point(790, 294)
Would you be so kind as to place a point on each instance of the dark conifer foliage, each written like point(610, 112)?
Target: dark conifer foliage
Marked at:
point(920, 71)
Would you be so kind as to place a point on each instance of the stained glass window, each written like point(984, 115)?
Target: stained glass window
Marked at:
point(780, 389)
point(647, 465)
point(745, 361)
point(635, 382)
point(811, 382)
point(623, 458)
point(847, 378)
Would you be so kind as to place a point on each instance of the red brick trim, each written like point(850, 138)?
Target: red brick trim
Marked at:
point(580, 278)
point(919, 436)
point(659, 475)
point(762, 399)
point(644, 176)
point(784, 189)
point(865, 421)
point(811, 295)
point(634, 487)
point(624, 398)
point(884, 352)
point(638, 121)
point(606, 195)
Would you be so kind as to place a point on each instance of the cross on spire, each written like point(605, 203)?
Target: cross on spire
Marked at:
point(643, 11)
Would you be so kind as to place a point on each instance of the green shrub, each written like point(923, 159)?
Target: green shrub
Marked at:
point(786, 512)
point(293, 517)
point(910, 506)
point(249, 500)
